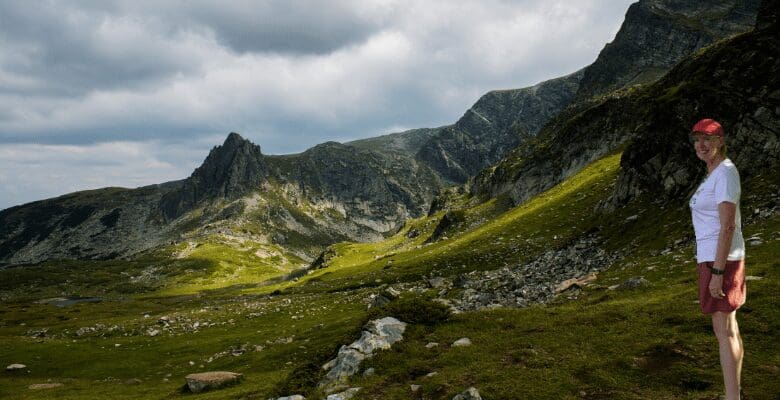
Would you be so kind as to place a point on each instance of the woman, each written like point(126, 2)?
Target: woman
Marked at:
point(720, 248)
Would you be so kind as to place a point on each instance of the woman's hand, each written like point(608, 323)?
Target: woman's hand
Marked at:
point(716, 286)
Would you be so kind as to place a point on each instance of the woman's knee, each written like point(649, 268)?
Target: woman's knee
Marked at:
point(724, 325)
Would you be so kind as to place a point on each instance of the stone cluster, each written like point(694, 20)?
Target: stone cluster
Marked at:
point(537, 281)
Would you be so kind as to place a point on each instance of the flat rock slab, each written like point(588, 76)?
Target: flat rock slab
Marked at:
point(211, 380)
point(40, 386)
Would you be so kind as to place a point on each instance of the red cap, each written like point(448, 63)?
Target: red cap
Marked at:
point(709, 127)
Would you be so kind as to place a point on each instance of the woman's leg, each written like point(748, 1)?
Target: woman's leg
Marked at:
point(731, 352)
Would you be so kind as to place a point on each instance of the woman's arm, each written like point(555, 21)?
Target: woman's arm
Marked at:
point(727, 212)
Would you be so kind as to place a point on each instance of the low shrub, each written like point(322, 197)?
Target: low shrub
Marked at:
point(413, 309)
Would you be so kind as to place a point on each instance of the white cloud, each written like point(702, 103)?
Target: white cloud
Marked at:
point(143, 72)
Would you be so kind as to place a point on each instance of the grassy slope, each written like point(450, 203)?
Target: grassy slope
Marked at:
point(646, 343)
point(482, 241)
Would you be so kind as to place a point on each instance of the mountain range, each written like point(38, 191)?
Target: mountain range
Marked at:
point(516, 142)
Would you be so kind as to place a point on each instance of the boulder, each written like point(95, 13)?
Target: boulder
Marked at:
point(293, 397)
point(203, 381)
point(470, 394)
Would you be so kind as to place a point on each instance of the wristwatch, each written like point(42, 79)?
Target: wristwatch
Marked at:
point(716, 271)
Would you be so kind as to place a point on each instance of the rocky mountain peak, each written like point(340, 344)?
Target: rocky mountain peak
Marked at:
point(229, 171)
point(233, 139)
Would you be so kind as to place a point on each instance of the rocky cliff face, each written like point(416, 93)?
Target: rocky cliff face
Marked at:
point(375, 189)
point(498, 122)
point(734, 81)
point(657, 34)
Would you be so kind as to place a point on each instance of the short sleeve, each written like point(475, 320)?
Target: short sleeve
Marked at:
point(727, 187)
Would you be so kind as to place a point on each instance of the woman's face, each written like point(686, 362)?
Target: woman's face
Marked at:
point(706, 146)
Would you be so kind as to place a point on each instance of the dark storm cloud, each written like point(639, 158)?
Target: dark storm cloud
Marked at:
point(283, 26)
point(64, 51)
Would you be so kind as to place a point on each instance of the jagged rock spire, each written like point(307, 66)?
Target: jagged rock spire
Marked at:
point(229, 171)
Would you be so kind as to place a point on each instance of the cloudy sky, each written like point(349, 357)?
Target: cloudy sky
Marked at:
point(130, 93)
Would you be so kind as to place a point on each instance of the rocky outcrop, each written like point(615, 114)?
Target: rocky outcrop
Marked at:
point(498, 122)
point(736, 83)
point(657, 34)
point(229, 172)
point(380, 334)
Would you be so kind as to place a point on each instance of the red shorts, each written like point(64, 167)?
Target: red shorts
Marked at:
point(733, 287)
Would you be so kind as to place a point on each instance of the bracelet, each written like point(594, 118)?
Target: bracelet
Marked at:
point(716, 271)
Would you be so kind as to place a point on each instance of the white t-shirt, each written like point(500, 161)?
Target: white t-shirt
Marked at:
point(721, 185)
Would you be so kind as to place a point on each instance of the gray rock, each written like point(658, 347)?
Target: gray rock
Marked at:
point(346, 364)
point(345, 395)
point(203, 381)
point(537, 281)
point(470, 394)
point(293, 397)
point(379, 334)
point(15, 367)
point(415, 388)
point(462, 342)
point(369, 372)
